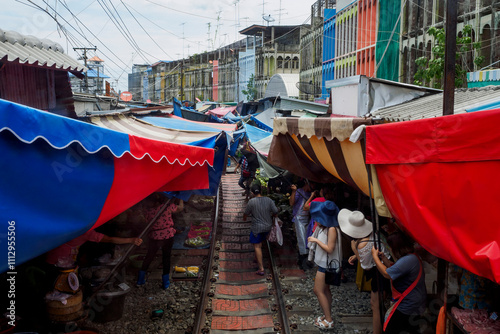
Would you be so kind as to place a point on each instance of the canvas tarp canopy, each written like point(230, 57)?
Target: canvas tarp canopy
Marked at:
point(221, 111)
point(132, 125)
point(261, 125)
point(439, 177)
point(255, 134)
point(319, 150)
point(229, 128)
point(220, 143)
point(267, 117)
point(263, 145)
point(174, 129)
point(61, 177)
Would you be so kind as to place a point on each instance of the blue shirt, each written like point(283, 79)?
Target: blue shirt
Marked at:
point(403, 273)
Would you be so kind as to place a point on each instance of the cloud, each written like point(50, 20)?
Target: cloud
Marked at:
point(172, 38)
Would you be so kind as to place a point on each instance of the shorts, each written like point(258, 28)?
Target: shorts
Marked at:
point(321, 269)
point(374, 276)
point(257, 239)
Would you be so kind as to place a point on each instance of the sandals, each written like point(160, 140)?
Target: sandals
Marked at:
point(319, 319)
point(323, 324)
point(260, 272)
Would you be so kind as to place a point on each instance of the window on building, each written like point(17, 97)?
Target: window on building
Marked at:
point(441, 5)
point(470, 54)
point(406, 18)
point(428, 12)
point(280, 62)
point(413, 64)
point(486, 45)
point(420, 13)
point(404, 67)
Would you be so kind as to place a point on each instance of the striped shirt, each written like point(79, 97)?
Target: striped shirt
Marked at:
point(261, 209)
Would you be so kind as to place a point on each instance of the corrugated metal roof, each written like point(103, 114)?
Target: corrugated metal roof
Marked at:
point(31, 50)
point(432, 105)
point(286, 103)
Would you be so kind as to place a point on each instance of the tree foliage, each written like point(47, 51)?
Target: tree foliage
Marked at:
point(251, 91)
point(431, 71)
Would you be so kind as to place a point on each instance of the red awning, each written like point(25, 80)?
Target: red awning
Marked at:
point(439, 177)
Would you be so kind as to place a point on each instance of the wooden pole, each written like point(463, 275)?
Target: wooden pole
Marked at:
point(449, 57)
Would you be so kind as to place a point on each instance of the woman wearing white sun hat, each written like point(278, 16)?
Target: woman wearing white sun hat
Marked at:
point(354, 224)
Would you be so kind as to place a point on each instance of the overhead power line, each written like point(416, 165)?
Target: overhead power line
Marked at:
point(154, 41)
point(122, 29)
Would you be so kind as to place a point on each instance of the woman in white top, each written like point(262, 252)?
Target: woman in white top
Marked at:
point(354, 224)
point(325, 244)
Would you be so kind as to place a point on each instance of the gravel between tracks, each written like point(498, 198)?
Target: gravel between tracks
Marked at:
point(180, 301)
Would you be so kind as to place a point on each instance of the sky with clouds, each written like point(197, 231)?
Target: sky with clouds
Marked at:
point(128, 32)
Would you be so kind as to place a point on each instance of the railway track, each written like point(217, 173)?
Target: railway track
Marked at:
point(234, 298)
point(227, 296)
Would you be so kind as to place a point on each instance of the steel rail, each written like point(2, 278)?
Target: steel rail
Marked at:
point(285, 324)
point(200, 316)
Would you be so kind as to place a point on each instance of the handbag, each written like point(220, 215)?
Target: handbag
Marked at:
point(275, 235)
point(333, 275)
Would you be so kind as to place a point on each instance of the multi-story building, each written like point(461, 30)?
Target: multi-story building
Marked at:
point(418, 16)
point(387, 40)
point(328, 68)
point(136, 81)
point(366, 37)
point(198, 78)
point(311, 51)
point(246, 65)
point(277, 51)
point(346, 24)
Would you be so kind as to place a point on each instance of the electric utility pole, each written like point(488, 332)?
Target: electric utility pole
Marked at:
point(85, 61)
point(449, 57)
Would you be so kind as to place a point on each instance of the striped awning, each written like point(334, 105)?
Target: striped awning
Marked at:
point(490, 75)
point(319, 149)
point(131, 125)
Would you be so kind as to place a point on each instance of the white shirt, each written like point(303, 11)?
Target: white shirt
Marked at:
point(335, 257)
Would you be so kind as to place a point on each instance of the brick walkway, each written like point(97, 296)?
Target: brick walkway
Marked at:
point(240, 301)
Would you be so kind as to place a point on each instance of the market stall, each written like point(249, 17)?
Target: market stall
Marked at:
point(62, 177)
point(438, 177)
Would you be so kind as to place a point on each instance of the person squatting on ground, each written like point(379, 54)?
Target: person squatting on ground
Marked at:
point(300, 194)
point(65, 256)
point(262, 210)
point(408, 284)
point(161, 235)
point(354, 225)
point(326, 250)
